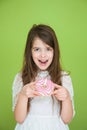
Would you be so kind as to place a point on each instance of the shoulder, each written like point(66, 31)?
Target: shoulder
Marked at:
point(67, 81)
point(18, 77)
point(65, 76)
point(18, 83)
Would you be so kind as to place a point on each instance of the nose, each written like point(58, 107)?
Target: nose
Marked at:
point(43, 53)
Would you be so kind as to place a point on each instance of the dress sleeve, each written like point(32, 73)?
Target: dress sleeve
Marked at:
point(67, 83)
point(16, 88)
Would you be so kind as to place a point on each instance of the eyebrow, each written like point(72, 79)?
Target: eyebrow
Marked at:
point(35, 47)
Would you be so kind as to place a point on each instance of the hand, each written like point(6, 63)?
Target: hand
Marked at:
point(29, 90)
point(61, 93)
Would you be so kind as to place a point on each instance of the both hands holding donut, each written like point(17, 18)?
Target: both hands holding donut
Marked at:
point(45, 87)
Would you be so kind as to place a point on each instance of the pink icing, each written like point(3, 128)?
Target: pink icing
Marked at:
point(44, 86)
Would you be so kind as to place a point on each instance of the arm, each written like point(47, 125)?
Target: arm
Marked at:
point(65, 95)
point(66, 111)
point(21, 108)
point(20, 98)
point(20, 111)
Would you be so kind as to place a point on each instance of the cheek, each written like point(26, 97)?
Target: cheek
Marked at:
point(51, 55)
point(33, 56)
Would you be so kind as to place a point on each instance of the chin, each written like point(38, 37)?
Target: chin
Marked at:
point(43, 68)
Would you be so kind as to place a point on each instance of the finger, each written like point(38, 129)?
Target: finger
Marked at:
point(55, 92)
point(36, 93)
point(32, 85)
point(57, 86)
point(33, 94)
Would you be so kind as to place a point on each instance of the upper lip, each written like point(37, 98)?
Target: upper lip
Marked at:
point(43, 60)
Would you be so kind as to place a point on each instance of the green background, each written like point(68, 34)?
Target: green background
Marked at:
point(69, 20)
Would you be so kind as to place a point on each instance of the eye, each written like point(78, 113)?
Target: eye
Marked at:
point(49, 49)
point(36, 49)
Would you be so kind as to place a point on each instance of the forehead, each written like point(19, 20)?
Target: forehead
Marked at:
point(38, 42)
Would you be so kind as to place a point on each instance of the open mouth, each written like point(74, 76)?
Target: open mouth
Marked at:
point(43, 62)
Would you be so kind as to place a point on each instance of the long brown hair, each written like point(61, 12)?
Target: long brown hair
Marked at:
point(47, 35)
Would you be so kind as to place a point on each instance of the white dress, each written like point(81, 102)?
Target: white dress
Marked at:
point(44, 110)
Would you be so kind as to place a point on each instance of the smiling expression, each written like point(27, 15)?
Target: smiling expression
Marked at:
point(42, 54)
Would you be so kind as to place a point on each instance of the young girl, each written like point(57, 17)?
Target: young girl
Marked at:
point(49, 108)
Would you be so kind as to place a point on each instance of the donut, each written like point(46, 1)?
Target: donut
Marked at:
point(44, 86)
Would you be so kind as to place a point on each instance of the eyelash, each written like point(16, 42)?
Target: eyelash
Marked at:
point(48, 49)
point(36, 49)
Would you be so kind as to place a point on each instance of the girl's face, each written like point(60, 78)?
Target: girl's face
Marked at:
point(42, 54)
